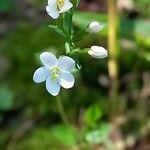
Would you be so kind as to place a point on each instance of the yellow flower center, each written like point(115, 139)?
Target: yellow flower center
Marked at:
point(55, 72)
point(60, 4)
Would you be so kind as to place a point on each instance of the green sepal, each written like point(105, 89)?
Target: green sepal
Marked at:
point(75, 3)
point(67, 47)
point(78, 66)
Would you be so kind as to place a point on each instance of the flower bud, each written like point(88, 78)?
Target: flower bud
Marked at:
point(94, 27)
point(98, 52)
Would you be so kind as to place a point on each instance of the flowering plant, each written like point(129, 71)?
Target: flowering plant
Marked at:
point(57, 72)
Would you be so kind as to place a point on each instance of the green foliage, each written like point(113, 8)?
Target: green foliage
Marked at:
point(5, 6)
point(144, 7)
point(146, 56)
point(75, 2)
point(39, 139)
point(4, 137)
point(56, 29)
point(100, 135)
point(6, 98)
point(65, 134)
point(92, 115)
point(67, 23)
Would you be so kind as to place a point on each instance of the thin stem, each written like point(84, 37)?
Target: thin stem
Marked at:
point(112, 44)
point(61, 110)
point(78, 52)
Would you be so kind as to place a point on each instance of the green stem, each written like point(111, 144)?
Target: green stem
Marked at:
point(61, 110)
point(113, 50)
point(68, 27)
point(78, 52)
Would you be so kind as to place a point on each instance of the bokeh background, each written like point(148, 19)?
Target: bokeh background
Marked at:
point(109, 104)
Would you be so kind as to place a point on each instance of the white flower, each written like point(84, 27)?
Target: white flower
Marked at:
point(98, 52)
point(94, 27)
point(55, 7)
point(56, 72)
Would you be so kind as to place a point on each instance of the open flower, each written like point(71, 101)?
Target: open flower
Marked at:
point(98, 52)
point(56, 72)
point(95, 27)
point(55, 7)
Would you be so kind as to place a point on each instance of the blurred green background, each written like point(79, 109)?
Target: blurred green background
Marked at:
point(29, 117)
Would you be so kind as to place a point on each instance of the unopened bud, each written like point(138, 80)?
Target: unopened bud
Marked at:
point(98, 52)
point(95, 27)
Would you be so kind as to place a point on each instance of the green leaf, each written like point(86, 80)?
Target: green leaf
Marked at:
point(92, 115)
point(105, 130)
point(56, 29)
point(93, 137)
point(65, 134)
point(67, 23)
point(99, 135)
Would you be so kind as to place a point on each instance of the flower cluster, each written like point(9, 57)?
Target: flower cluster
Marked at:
point(57, 72)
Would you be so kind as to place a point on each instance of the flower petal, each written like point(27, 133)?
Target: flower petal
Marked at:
point(40, 75)
point(52, 2)
point(66, 63)
point(48, 59)
point(52, 11)
point(66, 79)
point(52, 86)
point(66, 7)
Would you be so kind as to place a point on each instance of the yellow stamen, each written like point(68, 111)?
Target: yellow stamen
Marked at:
point(60, 4)
point(55, 73)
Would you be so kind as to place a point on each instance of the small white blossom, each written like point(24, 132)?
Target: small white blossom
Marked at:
point(94, 27)
point(98, 52)
point(55, 7)
point(56, 72)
